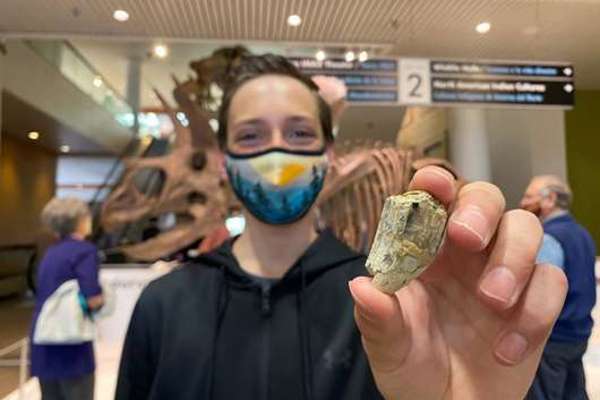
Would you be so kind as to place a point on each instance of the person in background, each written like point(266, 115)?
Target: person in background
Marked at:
point(66, 371)
point(569, 246)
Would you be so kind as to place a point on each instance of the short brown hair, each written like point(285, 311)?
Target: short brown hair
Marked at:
point(253, 66)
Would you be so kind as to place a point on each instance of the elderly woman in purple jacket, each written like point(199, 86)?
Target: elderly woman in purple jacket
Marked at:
point(66, 371)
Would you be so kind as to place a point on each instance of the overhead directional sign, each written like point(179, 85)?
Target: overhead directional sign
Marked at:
point(427, 82)
point(502, 69)
point(503, 83)
point(371, 81)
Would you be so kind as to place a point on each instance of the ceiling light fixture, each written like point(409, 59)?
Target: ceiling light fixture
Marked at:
point(321, 55)
point(294, 20)
point(65, 148)
point(121, 15)
point(98, 81)
point(483, 27)
point(160, 50)
point(363, 56)
point(33, 135)
point(349, 56)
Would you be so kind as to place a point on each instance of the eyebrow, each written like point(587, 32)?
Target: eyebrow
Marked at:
point(251, 121)
point(300, 118)
point(260, 121)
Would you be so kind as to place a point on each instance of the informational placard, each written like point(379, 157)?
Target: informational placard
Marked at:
point(372, 81)
point(126, 283)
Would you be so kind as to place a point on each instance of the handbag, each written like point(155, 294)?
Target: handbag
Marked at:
point(63, 320)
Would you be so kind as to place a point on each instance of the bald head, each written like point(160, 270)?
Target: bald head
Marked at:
point(546, 194)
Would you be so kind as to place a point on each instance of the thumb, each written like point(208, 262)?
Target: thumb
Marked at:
point(380, 320)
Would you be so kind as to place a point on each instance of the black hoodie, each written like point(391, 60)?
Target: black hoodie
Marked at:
point(211, 331)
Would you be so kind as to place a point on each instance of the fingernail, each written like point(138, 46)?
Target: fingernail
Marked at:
point(499, 284)
point(471, 218)
point(362, 307)
point(442, 173)
point(512, 348)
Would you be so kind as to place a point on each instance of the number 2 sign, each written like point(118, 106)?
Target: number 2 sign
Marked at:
point(415, 81)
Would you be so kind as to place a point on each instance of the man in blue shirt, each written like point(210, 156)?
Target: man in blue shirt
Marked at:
point(570, 247)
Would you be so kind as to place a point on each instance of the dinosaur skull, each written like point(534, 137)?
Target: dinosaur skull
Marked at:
point(186, 182)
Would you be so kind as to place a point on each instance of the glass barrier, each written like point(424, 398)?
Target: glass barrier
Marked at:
point(82, 74)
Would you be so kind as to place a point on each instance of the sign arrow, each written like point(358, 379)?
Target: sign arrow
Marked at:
point(568, 71)
point(568, 88)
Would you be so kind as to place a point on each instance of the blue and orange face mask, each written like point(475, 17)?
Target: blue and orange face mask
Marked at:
point(277, 186)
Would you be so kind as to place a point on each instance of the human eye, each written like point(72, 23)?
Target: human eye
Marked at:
point(247, 136)
point(301, 135)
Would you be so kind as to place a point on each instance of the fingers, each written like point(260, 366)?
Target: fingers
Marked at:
point(478, 210)
point(436, 181)
point(512, 259)
point(529, 327)
point(381, 323)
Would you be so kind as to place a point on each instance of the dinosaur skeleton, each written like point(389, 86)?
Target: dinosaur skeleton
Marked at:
point(192, 182)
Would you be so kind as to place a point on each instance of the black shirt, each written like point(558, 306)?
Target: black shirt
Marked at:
point(211, 331)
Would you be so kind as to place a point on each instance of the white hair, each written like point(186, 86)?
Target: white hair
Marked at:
point(61, 215)
point(553, 184)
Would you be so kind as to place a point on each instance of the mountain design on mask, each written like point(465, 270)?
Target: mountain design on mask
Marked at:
point(273, 203)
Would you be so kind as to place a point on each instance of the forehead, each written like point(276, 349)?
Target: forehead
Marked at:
point(272, 95)
point(535, 186)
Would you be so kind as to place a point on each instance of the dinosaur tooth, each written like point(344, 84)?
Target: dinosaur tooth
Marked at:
point(409, 234)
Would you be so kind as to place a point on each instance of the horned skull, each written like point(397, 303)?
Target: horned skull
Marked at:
point(185, 182)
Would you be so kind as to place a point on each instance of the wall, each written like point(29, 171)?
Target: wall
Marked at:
point(524, 143)
point(583, 157)
point(1, 82)
point(27, 176)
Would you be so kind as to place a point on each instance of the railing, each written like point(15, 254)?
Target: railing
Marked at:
point(78, 70)
point(22, 346)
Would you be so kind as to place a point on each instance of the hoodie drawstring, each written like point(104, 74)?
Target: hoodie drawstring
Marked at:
point(222, 300)
point(222, 286)
point(304, 336)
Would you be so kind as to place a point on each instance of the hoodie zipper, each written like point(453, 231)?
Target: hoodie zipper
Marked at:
point(265, 306)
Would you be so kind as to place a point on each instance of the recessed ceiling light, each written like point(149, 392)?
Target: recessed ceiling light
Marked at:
point(483, 27)
point(214, 124)
point(320, 55)
point(33, 135)
point(160, 50)
point(65, 148)
point(294, 20)
point(121, 15)
point(363, 56)
point(349, 56)
point(98, 81)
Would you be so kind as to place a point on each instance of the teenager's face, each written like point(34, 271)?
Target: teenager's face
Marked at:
point(273, 111)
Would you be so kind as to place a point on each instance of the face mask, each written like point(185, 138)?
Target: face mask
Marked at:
point(533, 207)
point(277, 186)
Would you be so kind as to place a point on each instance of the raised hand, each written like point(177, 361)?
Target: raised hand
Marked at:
point(473, 326)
